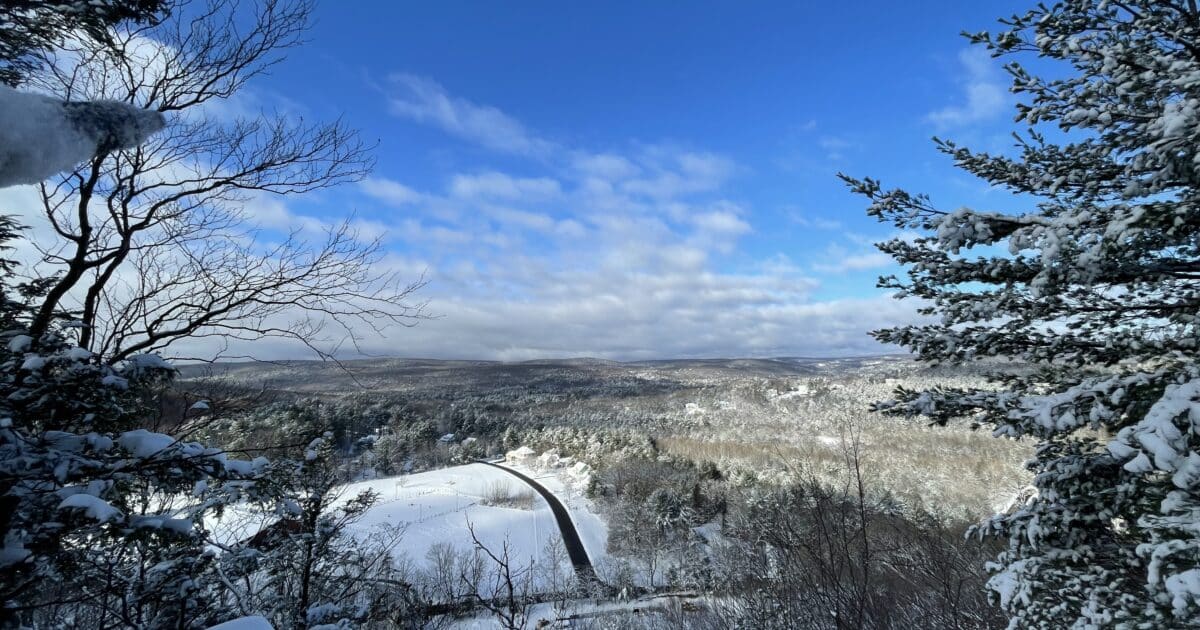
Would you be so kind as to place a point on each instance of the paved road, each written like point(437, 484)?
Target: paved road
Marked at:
point(570, 536)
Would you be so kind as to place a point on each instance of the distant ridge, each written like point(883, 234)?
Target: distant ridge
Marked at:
point(346, 377)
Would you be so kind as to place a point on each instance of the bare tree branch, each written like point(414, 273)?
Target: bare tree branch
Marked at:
point(158, 244)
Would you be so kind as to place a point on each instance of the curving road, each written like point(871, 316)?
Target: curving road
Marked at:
point(570, 536)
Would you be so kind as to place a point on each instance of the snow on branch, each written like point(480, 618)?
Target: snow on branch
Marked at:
point(41, 135)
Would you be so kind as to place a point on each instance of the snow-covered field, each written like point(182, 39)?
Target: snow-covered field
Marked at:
point(568, 613)
point(567, 481)
point(438, 507)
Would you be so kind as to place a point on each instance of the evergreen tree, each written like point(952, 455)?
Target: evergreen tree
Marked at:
point(27, 26)
point(1094, 291)
point(92, 532)
point(41, 135)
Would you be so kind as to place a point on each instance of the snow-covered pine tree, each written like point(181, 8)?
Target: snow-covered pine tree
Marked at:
point(30, 25)
point(1097, 295)
point(100, 520)
point(41, 135)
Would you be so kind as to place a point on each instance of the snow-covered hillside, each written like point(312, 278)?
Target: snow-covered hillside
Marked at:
point(439, 506)
point(436, 509)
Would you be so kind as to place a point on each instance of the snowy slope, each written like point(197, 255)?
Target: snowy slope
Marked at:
point(569, 489)
point(436, 507)
point(621, 613)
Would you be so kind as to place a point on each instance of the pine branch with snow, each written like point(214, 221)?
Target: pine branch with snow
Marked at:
point(89, 500)
point(28, 27)
point(1096, 288)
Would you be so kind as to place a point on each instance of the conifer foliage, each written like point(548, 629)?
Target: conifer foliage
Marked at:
point(89, 524)
point(30, 25)
point(1095, 291)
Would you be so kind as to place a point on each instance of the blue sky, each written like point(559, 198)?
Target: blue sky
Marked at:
point(639, 180)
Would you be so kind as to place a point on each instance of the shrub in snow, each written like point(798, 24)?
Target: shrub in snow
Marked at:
point(809, 555)
point(305, 569)
point(1097, 288)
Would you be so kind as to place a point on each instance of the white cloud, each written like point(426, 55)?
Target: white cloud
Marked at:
point(570, 228)
point(426, 101)
point(985, 92)
point(390, 192)
point(835, 147)
point(417, 231)
point(816, 223)
point(623, 254)
point(856, 262)
point(523, 219)
point(614, 254)
point(838, 259)
point(653, 318)
point(678, 173)
point(717, 227)
point(781, 265)
point(501, 186)
point(721, 222)
point(834, 143)
point(604, 166)
point(680, 257)
point(705, 166)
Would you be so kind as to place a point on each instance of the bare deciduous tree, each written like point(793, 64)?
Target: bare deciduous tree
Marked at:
point(821, 555)
point(507, 593)
point(157, 244)
point(556, 573)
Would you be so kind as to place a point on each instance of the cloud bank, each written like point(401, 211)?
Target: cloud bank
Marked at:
point(629, 252)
